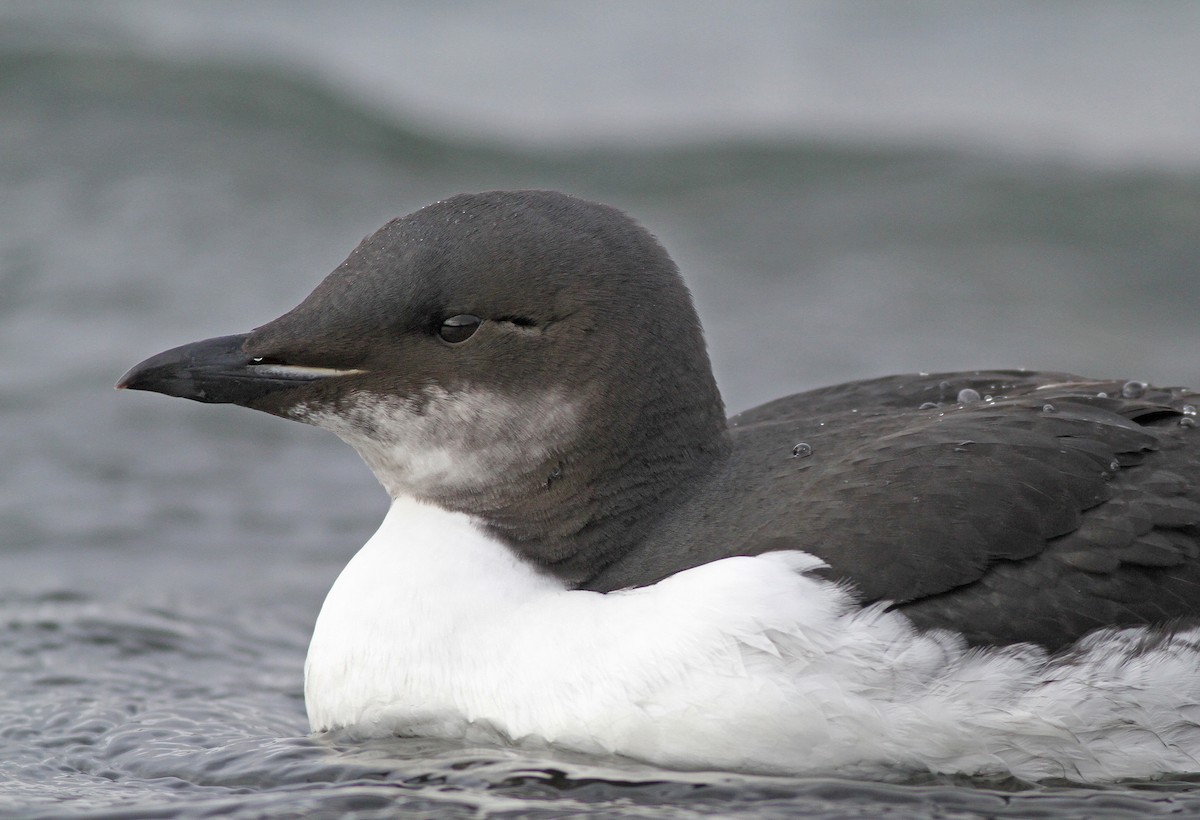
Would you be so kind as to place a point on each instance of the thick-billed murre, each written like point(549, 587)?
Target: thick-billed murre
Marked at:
point(984, 572)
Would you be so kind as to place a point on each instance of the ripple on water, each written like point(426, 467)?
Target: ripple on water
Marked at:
point(119, 711)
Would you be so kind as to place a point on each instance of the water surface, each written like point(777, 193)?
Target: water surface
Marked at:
point(172, 171)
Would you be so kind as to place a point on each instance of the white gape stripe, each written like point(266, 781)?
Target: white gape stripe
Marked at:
point(295, 371)
point(746, 663)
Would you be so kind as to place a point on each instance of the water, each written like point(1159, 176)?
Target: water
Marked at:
point(850, 191)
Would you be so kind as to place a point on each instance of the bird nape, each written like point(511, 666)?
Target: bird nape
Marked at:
point(980, 572)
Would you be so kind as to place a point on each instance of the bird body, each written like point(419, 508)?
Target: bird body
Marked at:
point(979, 572)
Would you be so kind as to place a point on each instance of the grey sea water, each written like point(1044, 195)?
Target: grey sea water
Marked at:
point(851, 190)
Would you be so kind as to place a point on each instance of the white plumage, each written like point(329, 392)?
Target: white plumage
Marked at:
point(746, 663)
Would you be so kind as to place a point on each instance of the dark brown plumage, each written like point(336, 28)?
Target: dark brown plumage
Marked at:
point(1053, 506)
point(1009, 506)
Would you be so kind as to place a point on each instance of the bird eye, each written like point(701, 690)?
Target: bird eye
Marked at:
point(459, 328)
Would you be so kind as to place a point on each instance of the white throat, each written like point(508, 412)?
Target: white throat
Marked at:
point(437, 441)
point(745, 663)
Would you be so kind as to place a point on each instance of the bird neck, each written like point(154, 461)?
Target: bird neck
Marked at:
point(600, 499)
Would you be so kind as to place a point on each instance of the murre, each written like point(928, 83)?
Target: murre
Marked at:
point(982, 572)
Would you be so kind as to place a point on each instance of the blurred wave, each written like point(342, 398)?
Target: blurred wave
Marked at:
point(178, 170)
point(1107, 85)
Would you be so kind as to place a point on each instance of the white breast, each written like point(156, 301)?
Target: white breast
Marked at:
point(744, 663)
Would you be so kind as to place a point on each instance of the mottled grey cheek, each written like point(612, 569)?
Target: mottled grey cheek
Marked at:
point(371, 425)
point(442, 441)
point(369, 416)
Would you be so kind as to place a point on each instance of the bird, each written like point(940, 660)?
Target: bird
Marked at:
point(979, 573)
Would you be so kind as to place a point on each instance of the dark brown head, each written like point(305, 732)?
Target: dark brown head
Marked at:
point(526, 357)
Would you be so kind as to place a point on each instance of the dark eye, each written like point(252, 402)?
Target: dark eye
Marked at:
point(459, 328)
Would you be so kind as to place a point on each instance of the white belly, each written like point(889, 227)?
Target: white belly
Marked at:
point(745, 663)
